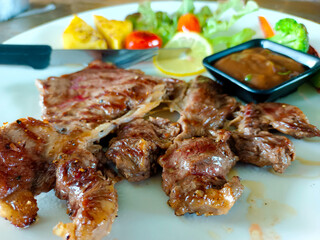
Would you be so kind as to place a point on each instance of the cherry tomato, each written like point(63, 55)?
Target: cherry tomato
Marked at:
point(189, 23)
point(142, 40)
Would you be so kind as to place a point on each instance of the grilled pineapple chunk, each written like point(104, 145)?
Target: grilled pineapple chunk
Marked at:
point(113, 31)
point(80, 35)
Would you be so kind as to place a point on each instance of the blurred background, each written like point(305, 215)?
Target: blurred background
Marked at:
point(42, 11)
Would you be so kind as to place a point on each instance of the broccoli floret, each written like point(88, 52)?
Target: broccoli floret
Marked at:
point(291, 34)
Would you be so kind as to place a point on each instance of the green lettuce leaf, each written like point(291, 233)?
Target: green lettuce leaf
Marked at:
point(215, 23)
point(222, 42)
point(203, 15)
point(156, 22)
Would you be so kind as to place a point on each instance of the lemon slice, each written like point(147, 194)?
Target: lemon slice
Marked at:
point(191, 62)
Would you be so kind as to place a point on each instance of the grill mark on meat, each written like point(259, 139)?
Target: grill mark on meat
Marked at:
point(72, 102)
point(30, 134)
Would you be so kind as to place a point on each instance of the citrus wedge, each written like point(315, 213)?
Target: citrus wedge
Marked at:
point(191, 62)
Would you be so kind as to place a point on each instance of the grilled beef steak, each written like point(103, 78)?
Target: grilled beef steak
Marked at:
point(194, 175)
point(138, 145)
point(285, 118)
point(92, 199)
point(26, 168)
point(34, 159)
point(264, 149)
point(254, 144)
point(100, 93)
point(101, 99)
point(204, 108)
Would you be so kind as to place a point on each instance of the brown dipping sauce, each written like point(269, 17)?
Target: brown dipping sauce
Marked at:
point(259, 68)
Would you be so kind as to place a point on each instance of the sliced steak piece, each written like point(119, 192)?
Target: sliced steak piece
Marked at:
point(100, 93)
point(92, 199)
point(264, 149)
point(138, 145)
point(34, 159)
point(26, 168)
point(285, 118)
point(194, 175)
point(204, 108)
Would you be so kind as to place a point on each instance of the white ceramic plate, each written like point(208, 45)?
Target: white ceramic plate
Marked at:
point(272, 206)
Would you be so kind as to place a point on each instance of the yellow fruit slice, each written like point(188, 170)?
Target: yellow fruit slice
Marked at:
point(113, 31)
point(80, 35)
point(191, 62)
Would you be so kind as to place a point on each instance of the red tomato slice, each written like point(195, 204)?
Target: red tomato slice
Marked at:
point(142, 40)
point(189, 23)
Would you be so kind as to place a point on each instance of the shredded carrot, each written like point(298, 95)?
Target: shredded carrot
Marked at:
point(266, 27)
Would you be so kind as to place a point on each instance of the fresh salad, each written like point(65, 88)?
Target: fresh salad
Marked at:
point(204, 31)
point(186, 19)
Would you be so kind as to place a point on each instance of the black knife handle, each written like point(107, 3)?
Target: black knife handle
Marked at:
point(36, 56)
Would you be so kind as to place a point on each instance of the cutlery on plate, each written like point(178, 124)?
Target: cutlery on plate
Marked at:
point(41, 56)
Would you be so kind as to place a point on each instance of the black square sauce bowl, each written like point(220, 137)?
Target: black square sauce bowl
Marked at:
point(249, 94)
